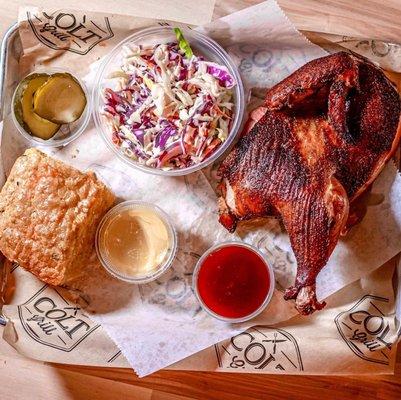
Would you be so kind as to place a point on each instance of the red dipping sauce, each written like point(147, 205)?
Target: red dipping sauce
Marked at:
point(233, 281)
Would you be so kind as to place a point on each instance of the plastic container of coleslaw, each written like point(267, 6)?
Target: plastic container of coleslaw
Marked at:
point(202, 46)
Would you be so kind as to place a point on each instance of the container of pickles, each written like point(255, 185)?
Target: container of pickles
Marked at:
point(51, 107)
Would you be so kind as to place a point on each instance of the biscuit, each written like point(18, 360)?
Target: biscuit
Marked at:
point(49, 213)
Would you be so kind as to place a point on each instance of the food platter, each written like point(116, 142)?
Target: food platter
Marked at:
point(14, 37)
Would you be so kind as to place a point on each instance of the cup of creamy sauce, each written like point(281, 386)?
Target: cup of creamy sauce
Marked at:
point(136, 242)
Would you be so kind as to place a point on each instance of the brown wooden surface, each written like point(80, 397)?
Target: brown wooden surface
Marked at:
point(22, 379)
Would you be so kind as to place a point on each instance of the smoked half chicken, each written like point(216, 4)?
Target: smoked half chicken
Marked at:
point(321, 138)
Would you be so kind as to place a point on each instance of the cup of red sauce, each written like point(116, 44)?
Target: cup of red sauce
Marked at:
point(233, 282)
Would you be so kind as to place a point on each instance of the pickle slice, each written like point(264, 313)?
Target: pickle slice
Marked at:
point(32, 122)
point(60, 100)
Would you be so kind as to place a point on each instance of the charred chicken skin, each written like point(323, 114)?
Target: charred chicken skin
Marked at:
point(321, 138)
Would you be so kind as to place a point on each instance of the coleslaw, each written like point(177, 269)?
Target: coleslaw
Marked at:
point(170, 108)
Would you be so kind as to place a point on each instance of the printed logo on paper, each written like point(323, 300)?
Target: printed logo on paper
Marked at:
point(365, 329)
point(261, 349)
point(173, 290)
point(71, 32)
point(48, 318)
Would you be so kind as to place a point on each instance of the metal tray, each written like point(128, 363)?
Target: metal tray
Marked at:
point(11, 45)
point(10, 39)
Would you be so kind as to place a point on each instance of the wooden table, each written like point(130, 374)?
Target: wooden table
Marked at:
point(22, 379)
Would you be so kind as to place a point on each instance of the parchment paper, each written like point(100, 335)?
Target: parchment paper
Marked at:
point(337, 340)
point(320, 344)
point(189, 12)
point(157, 324)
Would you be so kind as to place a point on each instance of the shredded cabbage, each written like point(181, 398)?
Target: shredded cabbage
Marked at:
point(171, 109)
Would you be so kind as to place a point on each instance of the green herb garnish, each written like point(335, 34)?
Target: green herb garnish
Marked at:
point(183, 44)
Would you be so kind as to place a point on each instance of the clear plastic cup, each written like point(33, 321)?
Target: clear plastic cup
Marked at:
point(201, 45)
point(269, 294)
point(67, 132)
point(168, 258)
